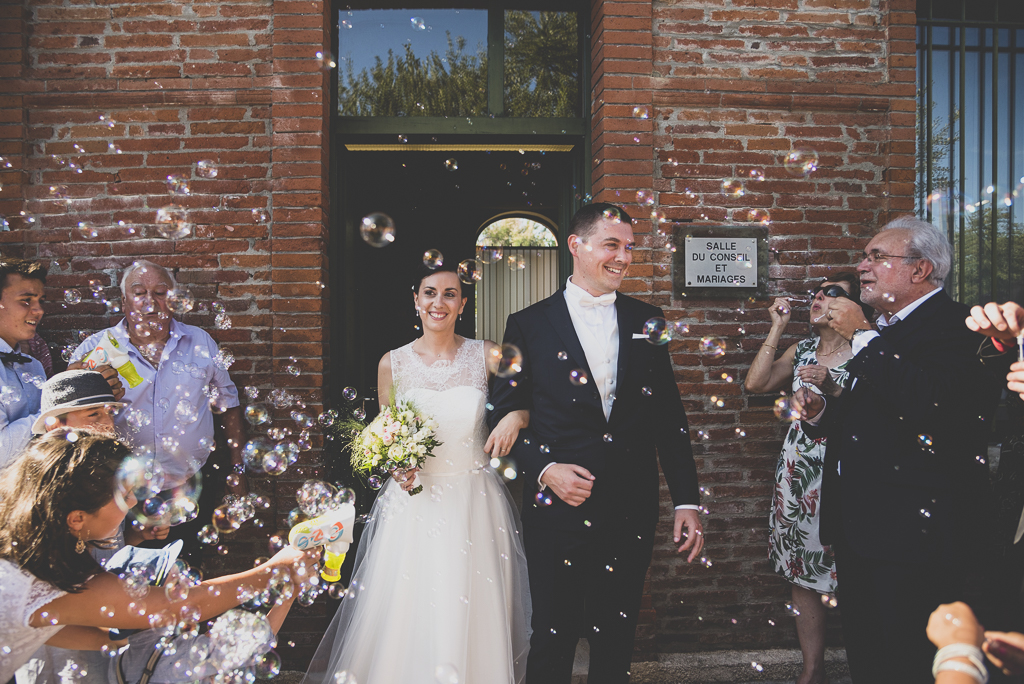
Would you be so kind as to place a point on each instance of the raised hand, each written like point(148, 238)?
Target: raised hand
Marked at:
point(780, 311)
point(1001, 321)
point(570, 483)
point(846, 317)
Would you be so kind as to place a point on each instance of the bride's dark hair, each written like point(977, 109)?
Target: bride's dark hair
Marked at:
point(424, 273)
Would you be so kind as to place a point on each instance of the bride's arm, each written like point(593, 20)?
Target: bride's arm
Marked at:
point(384, 380)
point(505, 433)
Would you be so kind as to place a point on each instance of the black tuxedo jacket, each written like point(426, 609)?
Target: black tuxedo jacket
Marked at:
point(567, 423)
point(902, 472)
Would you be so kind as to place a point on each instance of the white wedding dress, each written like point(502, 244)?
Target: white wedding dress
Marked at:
point(439, 591)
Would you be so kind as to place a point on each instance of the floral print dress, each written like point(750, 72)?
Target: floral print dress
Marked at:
point(794, 547)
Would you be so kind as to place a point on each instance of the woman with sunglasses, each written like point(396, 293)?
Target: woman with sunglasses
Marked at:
point(794, 548)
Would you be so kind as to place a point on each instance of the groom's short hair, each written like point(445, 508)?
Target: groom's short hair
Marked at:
point(584, 223)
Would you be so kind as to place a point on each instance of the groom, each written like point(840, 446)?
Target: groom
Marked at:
point(603, 401)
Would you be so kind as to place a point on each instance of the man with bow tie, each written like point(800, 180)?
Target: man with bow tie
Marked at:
point(21, 310)
point(603, 404)
point(905, 482)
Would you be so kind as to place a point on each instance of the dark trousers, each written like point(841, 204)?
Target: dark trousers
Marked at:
point(885, 608)
point(213, 487)
point(584, 585)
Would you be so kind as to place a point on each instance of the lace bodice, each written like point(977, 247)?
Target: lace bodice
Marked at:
point(21, 594)
point(454, 393)
point(408, 371)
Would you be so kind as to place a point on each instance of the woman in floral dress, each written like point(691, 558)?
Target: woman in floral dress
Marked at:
point(794, 548)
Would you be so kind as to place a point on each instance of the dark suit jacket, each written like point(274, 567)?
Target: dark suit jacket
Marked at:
point(567, 423)
point(902, 477)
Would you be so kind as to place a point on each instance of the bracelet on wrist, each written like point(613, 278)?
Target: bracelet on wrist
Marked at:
point(975, 667)
point(765, 344)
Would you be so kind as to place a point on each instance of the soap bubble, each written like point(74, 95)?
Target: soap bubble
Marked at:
point(86, 230)
point(924, 441)
point(267, 665)
point(578, 377)
point(140, 474)
point(252, 393)
point(293, 368)
point(433, 259)
point(222, 321)
point(180, 300)
point(543, 498)
point(757, 666)
point(446, 673)
point(377, 229)
point(756, 175)
point(792, 610)
point(314, 497)
point(800, 162)
point(489, 255)
point(562, 356)
point(206, 168)
point(260, 215)
point(374, 482)
point(137, 418)
point(185, 413)
point(72, 296)
point(172, 222)
point(645, 198)
point(451, 165)
point(349, 393)
point(784, 410)
point(470, 271)
point(177, 184)
point(641, 112)
point(209, 535)
point(59, 191)
point(712, 346)
point(505, 361)
point(646, 391)
point(829, 600)
point(732, 187)
point(418, 24)
point(761, 216)
point(223, 359)
point(657, 331)
point(257, 414)
point(113, 306)
point(515, 263)
point(678, 330)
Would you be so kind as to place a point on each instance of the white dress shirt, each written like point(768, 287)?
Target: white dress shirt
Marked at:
point(19, 403)
point(597, 327)
point(166, 393)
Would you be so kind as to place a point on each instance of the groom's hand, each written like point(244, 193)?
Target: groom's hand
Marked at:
point(694, 532)
point(570, 483)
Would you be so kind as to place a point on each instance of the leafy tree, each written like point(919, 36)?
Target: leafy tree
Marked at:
point(516, 232)
point(541, 64)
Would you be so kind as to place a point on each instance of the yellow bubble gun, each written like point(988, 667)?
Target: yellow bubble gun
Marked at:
point(333, 531)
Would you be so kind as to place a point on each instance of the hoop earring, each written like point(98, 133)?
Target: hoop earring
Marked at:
point(79, 547)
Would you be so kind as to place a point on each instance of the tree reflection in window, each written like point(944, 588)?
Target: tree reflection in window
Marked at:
point(541, 64)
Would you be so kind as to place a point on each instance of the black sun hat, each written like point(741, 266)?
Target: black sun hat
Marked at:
point(73, 390)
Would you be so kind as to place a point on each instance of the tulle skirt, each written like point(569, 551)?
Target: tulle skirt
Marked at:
point(439, 590)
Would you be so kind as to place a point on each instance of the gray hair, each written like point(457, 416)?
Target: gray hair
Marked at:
point(927, 242)
point(142, 263)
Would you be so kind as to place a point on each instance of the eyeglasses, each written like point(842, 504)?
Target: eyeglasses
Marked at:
point(832, 291)
point(876, 257)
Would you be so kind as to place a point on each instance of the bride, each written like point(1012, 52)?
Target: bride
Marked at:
point(439, 590)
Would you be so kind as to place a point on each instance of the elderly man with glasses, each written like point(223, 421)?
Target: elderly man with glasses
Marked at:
point(905, 480)
point(174, 387)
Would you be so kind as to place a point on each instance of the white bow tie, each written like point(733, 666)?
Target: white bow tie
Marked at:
point(589, 302)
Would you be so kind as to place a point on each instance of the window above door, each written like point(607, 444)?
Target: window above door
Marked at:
point(485, 67)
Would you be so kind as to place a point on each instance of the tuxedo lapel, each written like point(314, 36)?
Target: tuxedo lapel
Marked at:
point(900, 330)
point(558, 314)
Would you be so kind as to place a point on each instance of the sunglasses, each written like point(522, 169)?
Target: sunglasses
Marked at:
point(832, 291)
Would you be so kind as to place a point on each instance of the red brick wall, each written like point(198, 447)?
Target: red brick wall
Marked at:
point(238, 83)
point(731, 86)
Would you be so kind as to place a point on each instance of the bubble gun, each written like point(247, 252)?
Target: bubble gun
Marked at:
point(333, 531)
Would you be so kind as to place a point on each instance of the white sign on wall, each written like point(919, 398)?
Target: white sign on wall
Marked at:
point(720, 261)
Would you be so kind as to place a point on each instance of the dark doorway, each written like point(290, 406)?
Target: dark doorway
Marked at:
point(434, 206)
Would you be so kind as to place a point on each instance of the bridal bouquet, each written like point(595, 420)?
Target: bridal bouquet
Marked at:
point(399, 438)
